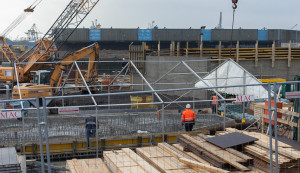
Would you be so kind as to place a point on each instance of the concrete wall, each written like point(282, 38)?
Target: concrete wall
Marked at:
point(162, 64)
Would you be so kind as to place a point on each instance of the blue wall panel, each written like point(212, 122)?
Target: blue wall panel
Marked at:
point(95, 35)
point(262, 35)
point(145, 35)
point(206, 35)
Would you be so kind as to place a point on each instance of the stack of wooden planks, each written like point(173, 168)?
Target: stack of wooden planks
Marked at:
point(288, 158)
point(191, 155)
point(86, 165)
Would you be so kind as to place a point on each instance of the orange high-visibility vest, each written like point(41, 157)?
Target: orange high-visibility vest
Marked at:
point(188, 115)
point(214, 98)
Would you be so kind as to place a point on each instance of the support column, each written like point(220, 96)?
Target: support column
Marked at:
point(187, 47)
point(158, 49)
point(273, 54)
point(220, 52)
point(237, 51)
point(290, 54)
point(256, 53)
point(178, 48)
point(201, 46)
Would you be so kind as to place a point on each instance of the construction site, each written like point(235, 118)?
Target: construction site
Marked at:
point(153, 100)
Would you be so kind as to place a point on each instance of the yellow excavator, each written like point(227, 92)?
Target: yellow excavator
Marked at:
point(42, 85)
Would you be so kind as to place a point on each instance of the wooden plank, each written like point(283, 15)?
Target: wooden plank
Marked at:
point(70, 166)
point(228, 158)
point(173, 151)
point(77, 165)
point(239, 154)
point(264, 154)
point(177, 153)
point(288, 152)
point(215, 161)
point(202, 166)
point(194, 156)
point(140, 161)
point(219, 151)
point(102, 166)
point(145, 155)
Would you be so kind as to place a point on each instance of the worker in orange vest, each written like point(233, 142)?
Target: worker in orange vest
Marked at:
point(214, 103)
point(188, 118)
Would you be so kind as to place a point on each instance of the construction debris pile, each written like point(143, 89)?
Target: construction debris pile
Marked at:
point(194, 154)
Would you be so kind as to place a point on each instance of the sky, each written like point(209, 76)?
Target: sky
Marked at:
point(250, 14)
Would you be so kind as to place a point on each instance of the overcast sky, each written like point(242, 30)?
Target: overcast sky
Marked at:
point(250, 14)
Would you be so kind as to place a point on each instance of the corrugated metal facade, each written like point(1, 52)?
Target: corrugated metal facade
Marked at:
point(79, 35)
point(238, 35)
point(176, 34)
point(119, 34)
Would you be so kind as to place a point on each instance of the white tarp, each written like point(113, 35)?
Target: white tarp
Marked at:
point(231, 73)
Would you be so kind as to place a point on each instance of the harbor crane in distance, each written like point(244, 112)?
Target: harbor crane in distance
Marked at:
point(6, 51)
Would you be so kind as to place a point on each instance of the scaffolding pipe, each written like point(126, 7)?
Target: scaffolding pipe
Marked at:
point(87, 87)
point(40, 134)
point(46, 134)
point(270, 127)
point(144, 79)
point(200, 78)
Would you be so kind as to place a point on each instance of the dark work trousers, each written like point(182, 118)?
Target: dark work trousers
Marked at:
point(189, 125)
point(90, 131)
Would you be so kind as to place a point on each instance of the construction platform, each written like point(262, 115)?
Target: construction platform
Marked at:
point(67, 135)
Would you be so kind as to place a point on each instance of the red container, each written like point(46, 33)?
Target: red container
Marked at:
point(279, 115)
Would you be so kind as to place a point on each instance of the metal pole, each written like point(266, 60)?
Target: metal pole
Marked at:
point(163, 120)
point(137, 70)
point(194, 100)
point(46, 133)
point(97, 156)
point(270, 127)
point(275, 129)
point(87, 87)
point(40, 134)
point(224, 113)
point(200, 78)
point(23, 124)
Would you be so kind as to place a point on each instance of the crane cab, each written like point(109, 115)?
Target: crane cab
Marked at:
point(40, 77)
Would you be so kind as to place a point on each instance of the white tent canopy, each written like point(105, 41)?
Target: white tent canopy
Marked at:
point(231, 73)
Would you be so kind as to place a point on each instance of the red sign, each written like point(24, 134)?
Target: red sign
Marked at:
point(245, 98)
point(68, 110)
point(10, 115)
point(290, 95)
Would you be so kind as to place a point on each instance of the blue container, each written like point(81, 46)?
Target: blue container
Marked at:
point(262, 35)
point(145, 35)
point(206, 35)
point(95, 35)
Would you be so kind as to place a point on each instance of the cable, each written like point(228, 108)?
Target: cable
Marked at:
point(234, 7)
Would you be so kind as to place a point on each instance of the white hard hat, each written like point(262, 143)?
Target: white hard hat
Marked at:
point(188, 106)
